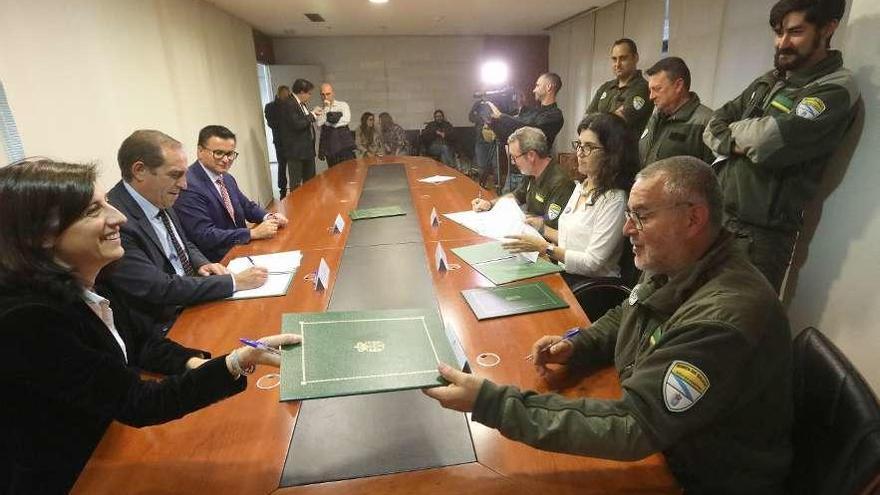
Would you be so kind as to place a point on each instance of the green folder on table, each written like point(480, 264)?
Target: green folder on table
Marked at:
point(377, 212)
point(362, 352)
point(500, 266)
point(493, 302)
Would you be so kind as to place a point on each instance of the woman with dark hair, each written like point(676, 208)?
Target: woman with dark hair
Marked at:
point(393, 136)
point(368, 138)
point(589, 240)
point(69, 369)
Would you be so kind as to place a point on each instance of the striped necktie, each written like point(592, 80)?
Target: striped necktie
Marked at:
point(181, 253)
point(224, 195)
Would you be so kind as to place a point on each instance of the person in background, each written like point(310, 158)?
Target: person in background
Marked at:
point(485, 144)
point(545, 116)
point(274, 112)
point(627, 94)
point(393, 136)
point(368, 138)
point(589, 240)
point(298, 134)
point(437, 139)
point(72, 366)
point(337, 142)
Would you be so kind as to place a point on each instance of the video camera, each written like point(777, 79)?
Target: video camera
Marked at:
point(504, 99)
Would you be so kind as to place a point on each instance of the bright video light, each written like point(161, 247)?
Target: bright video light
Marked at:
point(494, 73)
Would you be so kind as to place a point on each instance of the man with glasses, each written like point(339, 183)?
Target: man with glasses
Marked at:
point(213, 210)
point(547, 187)
point(162, 271)
point(337, 140)
point(702, 348)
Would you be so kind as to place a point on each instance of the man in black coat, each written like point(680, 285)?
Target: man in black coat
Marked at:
point(274, 118)
point(298, 134)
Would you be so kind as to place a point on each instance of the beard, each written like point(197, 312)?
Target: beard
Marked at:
point(796, 59)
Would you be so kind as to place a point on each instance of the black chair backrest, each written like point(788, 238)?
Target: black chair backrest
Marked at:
point(837, 421)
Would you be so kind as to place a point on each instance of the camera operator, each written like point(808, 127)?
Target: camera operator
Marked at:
point(546, 116)
point(485, 147)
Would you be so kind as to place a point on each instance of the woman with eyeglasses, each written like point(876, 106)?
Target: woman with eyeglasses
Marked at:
point(68, 369)
point(589, 238)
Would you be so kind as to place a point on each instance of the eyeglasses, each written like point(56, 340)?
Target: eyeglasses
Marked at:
point(586, 148)
point(514, 158)
point(219, 154)
point(638, 218)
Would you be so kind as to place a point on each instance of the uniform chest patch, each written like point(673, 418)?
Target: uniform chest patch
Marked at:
point(604, 94)
point(553, 211)
point(539, 198)
point(810, 107)
point(683, 386)
point(638, 102)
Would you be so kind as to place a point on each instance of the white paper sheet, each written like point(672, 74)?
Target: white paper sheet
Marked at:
point(436, 179)
point(282, 266)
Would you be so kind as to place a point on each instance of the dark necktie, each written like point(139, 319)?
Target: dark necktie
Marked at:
point(181, 253)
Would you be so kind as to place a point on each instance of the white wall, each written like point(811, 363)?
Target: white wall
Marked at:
point(81, 75)
point(407, 76)
point(836, 288)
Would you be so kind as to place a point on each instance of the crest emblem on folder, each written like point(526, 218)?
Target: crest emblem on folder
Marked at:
point(370, 346)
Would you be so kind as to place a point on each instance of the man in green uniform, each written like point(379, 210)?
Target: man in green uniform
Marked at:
point(676, 126)
point(626, 94)
point(780, 132)
point(702, 348)
point(547, 187)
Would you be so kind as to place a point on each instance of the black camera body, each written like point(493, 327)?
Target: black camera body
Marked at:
point(504, 99)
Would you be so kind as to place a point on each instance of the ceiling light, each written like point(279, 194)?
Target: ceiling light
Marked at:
point(378, 1)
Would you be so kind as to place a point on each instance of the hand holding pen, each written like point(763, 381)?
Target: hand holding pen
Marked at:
point(553, 349)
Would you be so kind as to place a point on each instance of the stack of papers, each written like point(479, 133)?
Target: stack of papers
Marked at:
point(436, 179)
point(506, 218)
point(281, 266)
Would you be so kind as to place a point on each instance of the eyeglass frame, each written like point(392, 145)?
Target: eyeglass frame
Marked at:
point(219, 154)
point(588, 148)
point(638, 218)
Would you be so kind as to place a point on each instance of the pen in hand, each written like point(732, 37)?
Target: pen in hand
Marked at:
point(250, 260)
point(568, 336)
point(256, 344)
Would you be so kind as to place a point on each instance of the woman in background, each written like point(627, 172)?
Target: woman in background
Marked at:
point(68, 369)
point(368, 138)
point(589, 240)
point(393, 136)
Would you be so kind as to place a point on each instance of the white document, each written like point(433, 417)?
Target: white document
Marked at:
point(281, 266)
point(436, 179)
point(505, 219)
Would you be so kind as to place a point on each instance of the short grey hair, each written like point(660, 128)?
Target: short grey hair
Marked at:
point(689, 180)
point(530, 139)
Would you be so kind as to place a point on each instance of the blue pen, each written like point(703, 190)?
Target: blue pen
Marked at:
point(251, 260)
point(259, 345)
point(568, 336)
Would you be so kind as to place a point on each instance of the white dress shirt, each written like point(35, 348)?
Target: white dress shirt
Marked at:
point(592, 235)
point(336, 106)
point(101, 307)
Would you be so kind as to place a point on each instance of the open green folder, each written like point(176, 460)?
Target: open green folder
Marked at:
point(486, 259)
point(379, 211)
point(493, 302)
point(362, 352)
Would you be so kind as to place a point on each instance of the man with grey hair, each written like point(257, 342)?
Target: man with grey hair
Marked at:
point(702, 349)
point(546, 188)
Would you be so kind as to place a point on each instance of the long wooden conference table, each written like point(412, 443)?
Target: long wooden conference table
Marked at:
point(239, 446)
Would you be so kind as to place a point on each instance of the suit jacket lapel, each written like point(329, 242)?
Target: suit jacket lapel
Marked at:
point(133, 210)
point(206, 181)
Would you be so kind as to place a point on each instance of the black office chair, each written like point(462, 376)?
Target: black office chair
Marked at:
point(836, 422)
point(597, 295)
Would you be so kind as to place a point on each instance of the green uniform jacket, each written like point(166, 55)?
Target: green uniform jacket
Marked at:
point(788, 128)
point(633, 97)
point(678, 134)
point(547, 194)
point(704, 360)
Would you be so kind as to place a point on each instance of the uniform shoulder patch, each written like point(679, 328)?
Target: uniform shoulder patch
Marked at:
point(553, 211)
point(810, 107)
point(638, 102)
point(683, 386)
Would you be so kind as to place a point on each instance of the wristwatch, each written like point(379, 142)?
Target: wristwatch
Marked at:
point(549, 250)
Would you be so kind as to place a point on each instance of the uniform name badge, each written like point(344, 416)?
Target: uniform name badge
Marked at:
point(683, 386)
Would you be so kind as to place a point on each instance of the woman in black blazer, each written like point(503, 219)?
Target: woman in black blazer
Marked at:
point(66, 368)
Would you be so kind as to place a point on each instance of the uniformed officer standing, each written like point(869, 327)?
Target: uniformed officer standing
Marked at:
point(547, 187)
point(626, 94)
point(676, 126)
point(702, 348)
point(781, 131)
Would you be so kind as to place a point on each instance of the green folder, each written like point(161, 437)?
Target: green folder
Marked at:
point(493, 302)
point(501, 267)
point(379, 211)
point(362, 352)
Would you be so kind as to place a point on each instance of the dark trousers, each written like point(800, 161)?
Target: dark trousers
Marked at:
point(769, 250)
point(340, 157)
point(282, 166)
point(300, 170)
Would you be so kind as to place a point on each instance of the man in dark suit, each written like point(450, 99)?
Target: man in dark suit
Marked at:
point(213, 210)
point(274, 112)
point(298, 134)
point(161, 271)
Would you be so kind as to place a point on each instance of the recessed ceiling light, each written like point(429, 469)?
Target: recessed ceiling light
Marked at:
point(378, 1)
